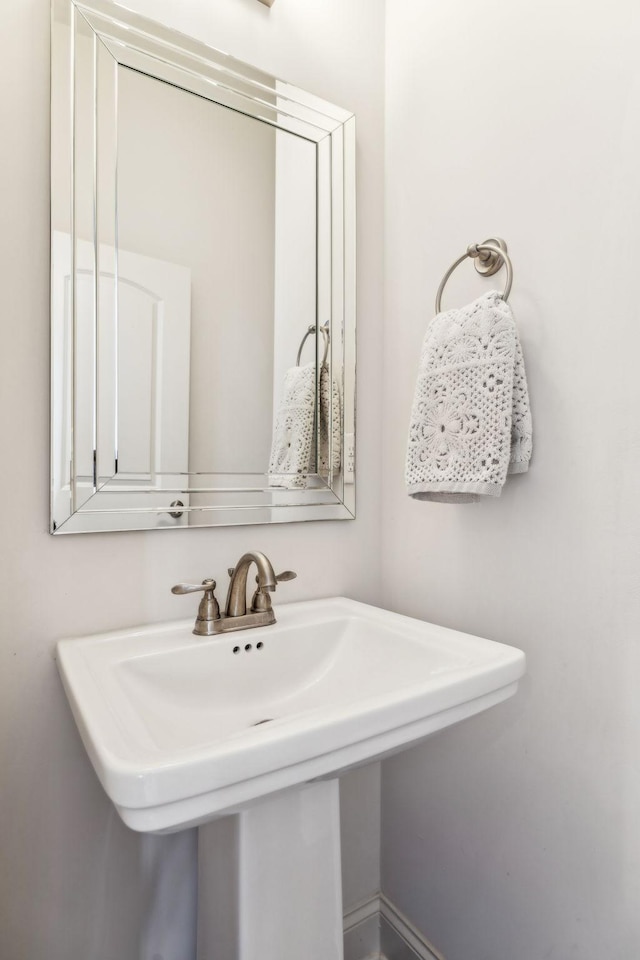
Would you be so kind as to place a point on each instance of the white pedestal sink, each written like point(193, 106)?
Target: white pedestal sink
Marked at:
point(260, 723)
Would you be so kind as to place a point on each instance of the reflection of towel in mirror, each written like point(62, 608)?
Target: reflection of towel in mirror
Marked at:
point(293, 449)
point(470, 421)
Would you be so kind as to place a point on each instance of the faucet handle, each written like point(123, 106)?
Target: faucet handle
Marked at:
point(208, 611)
point(285, 575)
point(181, 588)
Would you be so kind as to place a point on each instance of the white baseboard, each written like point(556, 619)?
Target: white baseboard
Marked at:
point(362, 940)
point(376, 930)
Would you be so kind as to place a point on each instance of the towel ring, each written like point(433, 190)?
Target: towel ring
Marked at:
point(489, 257)
point(312, 329)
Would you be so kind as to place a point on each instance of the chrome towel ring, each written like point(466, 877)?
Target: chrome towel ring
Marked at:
point(489, 257)
point(312, 329)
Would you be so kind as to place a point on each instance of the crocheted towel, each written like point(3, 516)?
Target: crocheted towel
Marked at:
point(470, 420)
point(293, 448)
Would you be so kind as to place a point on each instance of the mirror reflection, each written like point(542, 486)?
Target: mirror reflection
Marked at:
point(243, 224)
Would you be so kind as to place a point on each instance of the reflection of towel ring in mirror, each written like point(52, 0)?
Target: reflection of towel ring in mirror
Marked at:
point(489, 257)
point(312, 329)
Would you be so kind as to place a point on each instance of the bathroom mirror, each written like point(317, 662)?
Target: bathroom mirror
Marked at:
point(202, 285)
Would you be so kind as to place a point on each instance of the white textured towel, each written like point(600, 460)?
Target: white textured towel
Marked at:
point(470, 420)
point(293, 452)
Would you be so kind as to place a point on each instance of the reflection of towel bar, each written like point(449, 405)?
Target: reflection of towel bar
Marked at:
point(312, 329)
point(489, 257)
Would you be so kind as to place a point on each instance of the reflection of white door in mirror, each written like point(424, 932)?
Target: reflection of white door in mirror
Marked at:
point(132, 393)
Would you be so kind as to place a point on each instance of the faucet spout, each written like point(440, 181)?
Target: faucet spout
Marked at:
point(237, 595)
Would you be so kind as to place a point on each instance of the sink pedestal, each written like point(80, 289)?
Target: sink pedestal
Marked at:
point(290, 886)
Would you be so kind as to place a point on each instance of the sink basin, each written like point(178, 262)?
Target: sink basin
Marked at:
point(181, 729)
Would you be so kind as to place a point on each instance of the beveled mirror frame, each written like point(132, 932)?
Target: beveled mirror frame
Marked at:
point(119, 37)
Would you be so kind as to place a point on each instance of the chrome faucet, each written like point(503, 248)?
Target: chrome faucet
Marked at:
point(235, 617)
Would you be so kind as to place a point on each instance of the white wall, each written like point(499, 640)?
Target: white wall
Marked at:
point(72, 877)
point(516, 836)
